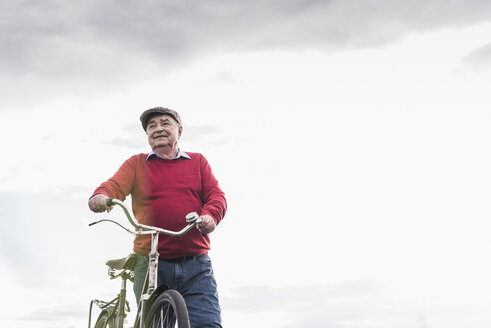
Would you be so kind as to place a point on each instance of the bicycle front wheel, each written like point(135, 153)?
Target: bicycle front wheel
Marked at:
point(105, 321)
point(168, 310)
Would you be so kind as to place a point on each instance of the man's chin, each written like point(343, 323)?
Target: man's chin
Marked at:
point(160, 145)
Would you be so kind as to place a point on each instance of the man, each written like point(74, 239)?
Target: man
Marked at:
point(165, 185)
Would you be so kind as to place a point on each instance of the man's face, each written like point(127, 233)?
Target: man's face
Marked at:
point(163, 131)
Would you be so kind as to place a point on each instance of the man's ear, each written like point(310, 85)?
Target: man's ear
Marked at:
point(180, 130)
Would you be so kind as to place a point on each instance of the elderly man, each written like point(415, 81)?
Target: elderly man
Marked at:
point(165, 185)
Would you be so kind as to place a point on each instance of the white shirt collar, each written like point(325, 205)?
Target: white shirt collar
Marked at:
point(180, 153)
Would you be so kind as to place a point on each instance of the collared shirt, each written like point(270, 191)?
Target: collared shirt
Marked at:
point(180, 153)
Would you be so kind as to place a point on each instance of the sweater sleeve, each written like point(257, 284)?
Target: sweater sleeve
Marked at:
point(121, 183)
point(213, 196)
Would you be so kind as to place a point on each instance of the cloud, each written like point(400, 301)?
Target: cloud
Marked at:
point(479, 58)
point(289, 298)
point(54, 314)
point(20, 208)
point(66, 312)
point(346, 304)
point(46, 229)
point(127, 143)
point(132, 137)
point(58, 48)
point(349, 304)
point(195, 132)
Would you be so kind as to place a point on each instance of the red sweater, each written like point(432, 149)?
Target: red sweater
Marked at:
point(162, 193)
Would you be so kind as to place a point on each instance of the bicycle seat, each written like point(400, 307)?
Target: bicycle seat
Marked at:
point(127, 263)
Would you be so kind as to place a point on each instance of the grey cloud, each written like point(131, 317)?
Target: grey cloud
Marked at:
point(479, 58)
point(55, 314)
point(133, 143)
point(63, 314)
point(135, 137)
point(136, 127)
point(260, 298)
point(196, 132)
point(55, 47)
point(345, 305)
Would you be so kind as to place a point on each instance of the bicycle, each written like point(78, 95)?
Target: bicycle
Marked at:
point(158, 306)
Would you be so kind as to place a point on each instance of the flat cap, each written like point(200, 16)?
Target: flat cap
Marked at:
point(146, 115)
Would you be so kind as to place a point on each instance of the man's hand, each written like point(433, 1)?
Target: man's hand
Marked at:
point(207, 224)
point(98, 204)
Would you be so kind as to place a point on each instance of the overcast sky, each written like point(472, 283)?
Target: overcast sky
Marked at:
point(351, 139)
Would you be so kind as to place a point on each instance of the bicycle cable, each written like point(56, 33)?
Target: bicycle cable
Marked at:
point(112, 221)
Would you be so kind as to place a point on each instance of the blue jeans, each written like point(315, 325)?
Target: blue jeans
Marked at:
point(194, 279)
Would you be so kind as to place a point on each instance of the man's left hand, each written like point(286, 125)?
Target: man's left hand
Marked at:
point(207, 224)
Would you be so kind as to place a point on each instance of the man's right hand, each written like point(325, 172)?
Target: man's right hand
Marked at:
point(98, 203)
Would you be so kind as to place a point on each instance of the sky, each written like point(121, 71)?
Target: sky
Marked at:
point(351, 139)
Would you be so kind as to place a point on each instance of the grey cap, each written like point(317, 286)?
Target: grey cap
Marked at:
point(146, 115)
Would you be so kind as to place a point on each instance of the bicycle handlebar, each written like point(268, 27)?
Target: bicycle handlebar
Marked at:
point(191, 219)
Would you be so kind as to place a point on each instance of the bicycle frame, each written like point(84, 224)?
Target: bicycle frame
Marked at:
point(150, 285)
point(151, 277)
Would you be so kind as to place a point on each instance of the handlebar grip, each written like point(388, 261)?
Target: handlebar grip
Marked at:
point(109, 202)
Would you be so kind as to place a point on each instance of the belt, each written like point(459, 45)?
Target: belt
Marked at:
point(182, 259)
